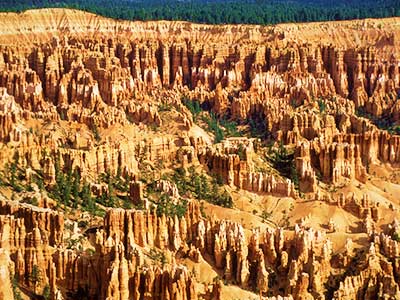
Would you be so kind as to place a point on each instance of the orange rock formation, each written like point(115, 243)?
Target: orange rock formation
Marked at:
point(99, 96)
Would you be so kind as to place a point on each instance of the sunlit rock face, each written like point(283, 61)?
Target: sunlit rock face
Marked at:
point(295, 123)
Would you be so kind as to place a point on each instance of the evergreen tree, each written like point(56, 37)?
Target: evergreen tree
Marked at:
point(217, 12)
point(283, 161)
point(13, 170)
point(35, 277)
point(76, 186)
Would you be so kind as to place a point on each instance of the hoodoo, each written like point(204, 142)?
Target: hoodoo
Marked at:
point(178, 161)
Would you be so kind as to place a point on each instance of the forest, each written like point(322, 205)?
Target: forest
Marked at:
point(262, 12)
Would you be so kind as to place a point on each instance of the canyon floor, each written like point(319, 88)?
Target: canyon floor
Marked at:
point(178, 161)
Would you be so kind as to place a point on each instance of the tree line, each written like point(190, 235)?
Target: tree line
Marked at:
point(262, 12)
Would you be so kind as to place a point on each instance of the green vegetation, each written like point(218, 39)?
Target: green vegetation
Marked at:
point(75, 243)
point(69, 191)
point(265, 215)
point(221, 128)
point(214, 126)
point(117, 190)
point(35, 277)
point(16, 292)
point(34, 201)
point(258, 128)
point(13, 177)
point(230, 127)
point(222, 12)
point(201, 187)
point(193, 106)
point(90, 251)
point(241, 152)
point(202, 210)
point(46, 292)
point(166, 206)
point(108, 198)
point(164, 106)
point(14, 174)
point(295, 103)
point(95, 132)
point(283, 161)
point(321, 105)
point(195, 185)
point(157, 256)
point(382, 122)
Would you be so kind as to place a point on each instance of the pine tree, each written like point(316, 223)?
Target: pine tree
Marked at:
point(76, 186)
point(35, 277)
point(66, 188)
point(86, 197)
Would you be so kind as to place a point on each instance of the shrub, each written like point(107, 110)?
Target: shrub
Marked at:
point(46, 292)
point(283, 162)
point(265, 215)
point(165, 206)
point(213, 126)
point(202, 210)
point(222, 199)
point(16, 292)
point(35, 276)
point(34, 201)
point(157, 256)
point(242, 152)
point(202, 188)
point(231, 127)
point(258, 127)
point(321, 105)
point(193, 106)
point(95, 132)
point(83, 224)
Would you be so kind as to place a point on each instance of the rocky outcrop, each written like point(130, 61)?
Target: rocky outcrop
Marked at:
point(232, 161)
point(375, 281)
point(298, 263)
point(361, 208)
point(244, 262)
point(44, 220)
point(80, 93)
point(34, 237)
point(6, 273)
point(102, 81)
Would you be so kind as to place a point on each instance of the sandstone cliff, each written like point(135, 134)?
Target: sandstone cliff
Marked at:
point(297, 124)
